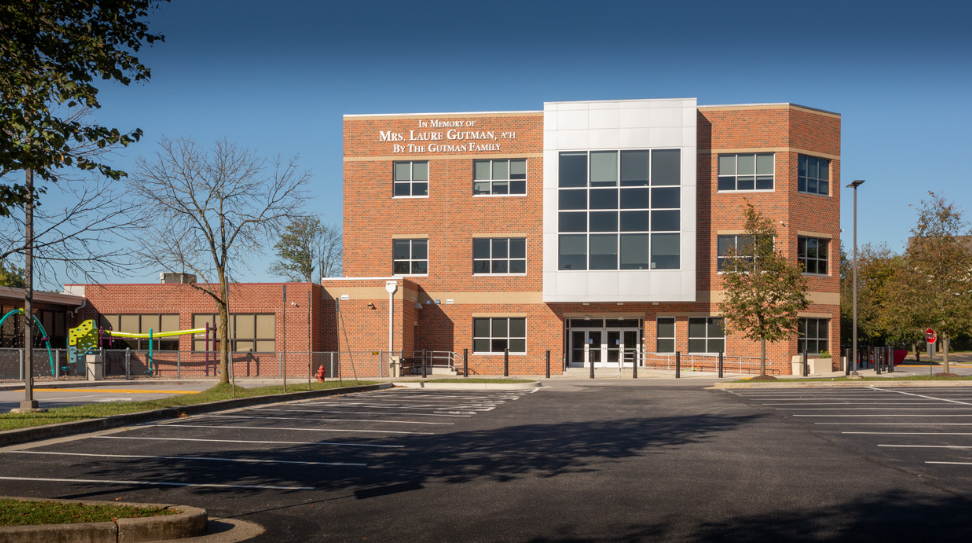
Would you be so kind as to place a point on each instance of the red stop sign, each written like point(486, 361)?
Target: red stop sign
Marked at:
point(931, 336)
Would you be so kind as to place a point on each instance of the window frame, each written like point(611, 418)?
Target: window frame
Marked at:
point(806, 177)
point(199, 345)
point(508, 338)
point(508, 259)
point(411, 257)
point(707, 339)
point(411, 179)
point(736, 175)
point(673, 338)
point(509, 180)
point(171, 343)
point(805, 260)
point(803, 340)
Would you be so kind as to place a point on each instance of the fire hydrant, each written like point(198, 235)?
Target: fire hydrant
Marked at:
point(320, 374)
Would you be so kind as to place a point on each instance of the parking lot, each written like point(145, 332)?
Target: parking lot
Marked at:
point(571, 462)
point(64, 394)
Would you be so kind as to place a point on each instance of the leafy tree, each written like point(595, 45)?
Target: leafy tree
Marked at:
point(12, 276)
point(210, 210)
point(879, 316)
point(51, 52)
point(763, 291)
point(935, 287)
point(305, 244)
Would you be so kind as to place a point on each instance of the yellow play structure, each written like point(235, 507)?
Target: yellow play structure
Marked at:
point(86, 339)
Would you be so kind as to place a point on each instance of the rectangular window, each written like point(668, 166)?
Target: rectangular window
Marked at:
point(733, 246)
point(141, 324)
point(750, 171)
point(705, 335)
point(611, 203)
point(499, 255)
point(812, 254)
point(499, 177)
point(814, 335)
point(496, 334)
point(411, 179)
point(249, 332)
point(410, 256)
point(813, 175)
point(665, 335)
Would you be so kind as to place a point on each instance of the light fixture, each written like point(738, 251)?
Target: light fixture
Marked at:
point(371, 305)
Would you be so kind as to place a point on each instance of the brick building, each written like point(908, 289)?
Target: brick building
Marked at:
point(590, 229)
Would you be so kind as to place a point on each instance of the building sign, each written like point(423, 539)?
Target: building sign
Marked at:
point(445, 136)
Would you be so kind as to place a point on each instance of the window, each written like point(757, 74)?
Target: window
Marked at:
point(813, 175)
point(746, 172)
point(411, 179)
point(814, 334)
point(494, 335)
point(665, 335)
point(498, 177)
point(706, 335)
point(410, 256)
point(249, 332)
point(499, 255)
point(141, 324)
point(733, 246)
point(619, 210)
point(812, 254)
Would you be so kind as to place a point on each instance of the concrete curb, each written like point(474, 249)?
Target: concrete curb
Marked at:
point(188, 522)
point(467, 386)
point(845, 384)
point(23, 435)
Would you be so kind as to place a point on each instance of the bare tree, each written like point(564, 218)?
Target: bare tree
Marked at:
point(306, 244)
point(211, 209)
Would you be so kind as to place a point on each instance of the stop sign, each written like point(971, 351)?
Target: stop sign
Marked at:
point(931, 336)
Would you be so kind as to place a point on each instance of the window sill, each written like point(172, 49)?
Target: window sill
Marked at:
point(499, 195)
point(497, 354)
point(817, 274)
point(499, 275)
point(744, 191)
point(813, 194)
point(410, 275)
point(409, 197)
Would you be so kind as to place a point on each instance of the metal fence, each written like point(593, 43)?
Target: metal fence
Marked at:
point(137, 364)
point(705, 362)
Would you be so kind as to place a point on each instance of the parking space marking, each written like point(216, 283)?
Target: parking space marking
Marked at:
point(913, 433)
point(326, 420)
point(158, 483)
point(398, 414)
point(926, 446)
point(952, 463)
point(209, 458)
point(253, 442)
point(923, 396)
point(872, 408)
point(894, 423)
point(180, 425)
point(876, 415)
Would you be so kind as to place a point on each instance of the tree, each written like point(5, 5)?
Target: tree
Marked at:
point(935, 287)
point(210, 210)
point(305, 244)
point(879, 317)
point(50, 54)
point(763, 291)
point(12, 276)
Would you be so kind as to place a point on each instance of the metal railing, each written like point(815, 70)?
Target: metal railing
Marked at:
point(706, 362)
point(439, 359)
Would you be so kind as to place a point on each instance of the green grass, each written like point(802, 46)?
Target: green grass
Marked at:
point(24, 513)
point(11, 421)
point(479, 380)
point(884, 379)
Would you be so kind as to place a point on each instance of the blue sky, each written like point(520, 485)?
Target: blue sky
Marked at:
point(278, 76)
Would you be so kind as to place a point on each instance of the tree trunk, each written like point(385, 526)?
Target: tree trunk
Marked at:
point(762, 357)
point(224, 346)
point(29, 290)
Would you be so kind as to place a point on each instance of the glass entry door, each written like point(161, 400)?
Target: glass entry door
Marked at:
point(600, 342)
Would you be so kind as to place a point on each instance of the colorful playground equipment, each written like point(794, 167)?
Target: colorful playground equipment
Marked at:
point(44, 336)
point(86, 339)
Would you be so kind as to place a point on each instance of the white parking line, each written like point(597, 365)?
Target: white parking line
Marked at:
point(253, 442)
point(160, 483)
point(397, 414)
point(208, 458)
point(872, 408)
point(855, 403)
point(952, 463)
point(895, 423)
point(326, 420)
point(876, 415)
point(179, 425)
point(913, 433)
point(928, 446)
point(922, 396)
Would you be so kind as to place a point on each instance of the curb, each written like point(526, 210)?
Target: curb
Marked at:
point(188, 522)
point(104, 383)
point(467, 386)
point(23, 435)
point(845, 384)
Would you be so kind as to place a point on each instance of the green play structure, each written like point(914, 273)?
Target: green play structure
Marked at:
point(86, 339)
point(44, 337)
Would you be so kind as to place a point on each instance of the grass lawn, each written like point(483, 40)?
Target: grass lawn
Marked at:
point(23, 513)
point(479, 380)
point(11, 421)
point(829, 379)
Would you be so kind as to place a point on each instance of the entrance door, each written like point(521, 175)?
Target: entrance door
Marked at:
point(603, 346)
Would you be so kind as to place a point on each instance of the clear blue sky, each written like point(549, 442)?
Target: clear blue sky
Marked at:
point(278, 76)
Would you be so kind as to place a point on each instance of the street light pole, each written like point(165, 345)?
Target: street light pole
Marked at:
point(854, 374)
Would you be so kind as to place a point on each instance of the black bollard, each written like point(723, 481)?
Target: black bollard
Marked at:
point(891, 360)
point(806, 370)
point(720, 364)
point(634, 365)
point(465, 362)
point(591, 362)
point(506, 362)
point(678, 364)
point(876, 356)
point(847, 362)
point(424, 364)
point(548, 364)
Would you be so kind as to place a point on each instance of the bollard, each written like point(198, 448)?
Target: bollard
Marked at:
point(875, 356)
point(128, 363)
point(678, 364)
point(806, 370)
point(548, 363)
point(178, 364)
point(634, 364)
point(506, 362)
point(891, 360)
point(424, 370)
point(720, 364)
point(591, 362)
point(465, 362)
point(847, 362)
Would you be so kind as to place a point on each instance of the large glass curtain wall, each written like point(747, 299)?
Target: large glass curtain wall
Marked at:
point(619, 210)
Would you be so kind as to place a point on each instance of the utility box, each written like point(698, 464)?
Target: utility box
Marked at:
point(94, 367)
point(395, 366)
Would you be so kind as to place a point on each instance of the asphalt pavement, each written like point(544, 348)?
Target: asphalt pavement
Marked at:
point(569, 462)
